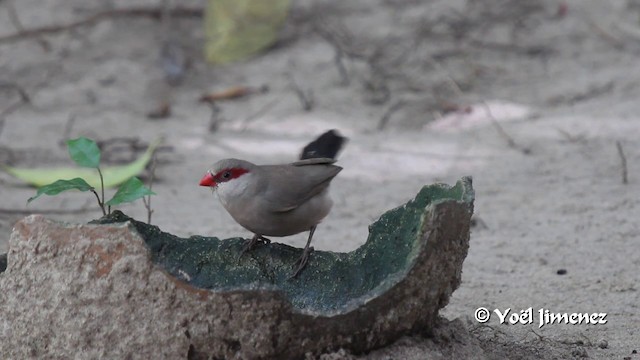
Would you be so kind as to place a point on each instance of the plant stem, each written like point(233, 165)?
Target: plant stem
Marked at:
point(147, 201)
point(99, 202)
point(102, 188)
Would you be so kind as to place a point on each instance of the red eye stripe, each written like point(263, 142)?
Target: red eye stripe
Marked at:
point(228, 174)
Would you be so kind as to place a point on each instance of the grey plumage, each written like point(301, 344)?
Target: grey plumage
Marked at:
point(279, 200)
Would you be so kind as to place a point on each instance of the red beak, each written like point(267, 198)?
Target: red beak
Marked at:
point(208, 180)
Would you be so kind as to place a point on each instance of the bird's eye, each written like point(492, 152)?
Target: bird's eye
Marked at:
point(226, 175)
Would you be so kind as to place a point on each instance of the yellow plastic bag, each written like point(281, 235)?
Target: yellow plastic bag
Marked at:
point(238, 29)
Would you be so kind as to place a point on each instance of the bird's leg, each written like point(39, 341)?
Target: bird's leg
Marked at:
point(251, 244)
point(301, 263)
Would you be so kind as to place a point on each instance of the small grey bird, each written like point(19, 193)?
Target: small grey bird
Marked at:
point(279, 200)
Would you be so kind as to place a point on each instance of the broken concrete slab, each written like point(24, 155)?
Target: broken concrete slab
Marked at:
point(126, 289)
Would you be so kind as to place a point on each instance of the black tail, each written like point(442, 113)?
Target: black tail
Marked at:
point(327, 145)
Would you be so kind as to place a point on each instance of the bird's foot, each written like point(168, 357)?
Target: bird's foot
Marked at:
point(263, 240)
point(301, 263)
point(251, 244)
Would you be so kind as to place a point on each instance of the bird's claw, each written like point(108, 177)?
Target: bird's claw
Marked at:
point(301, 263)
point(251, 244)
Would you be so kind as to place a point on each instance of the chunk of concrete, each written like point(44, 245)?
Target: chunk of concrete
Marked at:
point(124, 289)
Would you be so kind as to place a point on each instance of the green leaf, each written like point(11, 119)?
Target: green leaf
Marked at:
point(237, 29)
point(60, 186)
point(113, 175)
point(130, 191)
point(84, 152)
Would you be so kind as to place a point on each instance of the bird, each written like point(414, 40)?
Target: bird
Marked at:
point(279, 200)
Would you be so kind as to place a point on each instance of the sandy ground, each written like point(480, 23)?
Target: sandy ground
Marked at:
point(528, 97)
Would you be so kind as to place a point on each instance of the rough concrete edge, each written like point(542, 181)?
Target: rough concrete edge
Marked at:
point(379, 322)
point(3, 262)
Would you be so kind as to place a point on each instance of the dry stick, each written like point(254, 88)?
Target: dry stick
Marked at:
point(216, 118)
point(17, 23)
point(11, 108)
point(512, 143)
point(154, 13)
point(147, 200)
point(591, 92)
point(617, 43)
point(570, 137)
point(24, 99)
point(623, 161)
point(520, 50)
point(263, 110)
point(21, 91)
point(306, 98)
point(343, 49)
point(387, 115)
point(342, 70)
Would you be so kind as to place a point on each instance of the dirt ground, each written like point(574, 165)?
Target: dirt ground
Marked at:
point(537, 100)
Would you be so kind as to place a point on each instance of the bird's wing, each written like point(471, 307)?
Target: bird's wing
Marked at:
point(314, 161)
point(310, 177)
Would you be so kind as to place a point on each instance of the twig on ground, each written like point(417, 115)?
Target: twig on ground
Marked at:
point(114, 148)
point(617, 43)
point(11, 108)
point(24, 98)
point(379, 92)
point(623, 163)
point(7, 156)
point(387, 114)
point(148, 12)
point(261, 111)
point(305, 97)
point(590, 93)
point(510, 141)
point(147, 200)
point(342, 70)
point(570, 137)
point(17, 23)
point(216, 117)
point(344, 46)
point(458, 90)
point(233, 93)
point(532, 50)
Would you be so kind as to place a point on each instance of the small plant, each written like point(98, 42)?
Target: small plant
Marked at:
point(85, 153)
